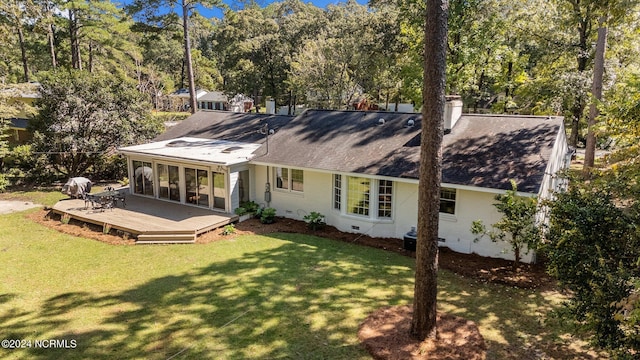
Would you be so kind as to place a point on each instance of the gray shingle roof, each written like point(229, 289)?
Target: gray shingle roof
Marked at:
point(484, 151)
point(225, 125)
point(215, 96)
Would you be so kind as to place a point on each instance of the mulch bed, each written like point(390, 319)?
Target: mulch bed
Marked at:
point(385, 335)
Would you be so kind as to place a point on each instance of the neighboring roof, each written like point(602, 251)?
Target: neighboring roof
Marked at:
point(225, 125)
point(483, 151)
point(20, 124)
point(30, 90)
point(214, 96)
point(214, 151)
point(184, 93)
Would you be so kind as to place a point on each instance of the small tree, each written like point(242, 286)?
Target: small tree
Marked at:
point(84, 116)
point(518, 224)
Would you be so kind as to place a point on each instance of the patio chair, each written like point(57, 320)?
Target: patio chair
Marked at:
point(88, 199)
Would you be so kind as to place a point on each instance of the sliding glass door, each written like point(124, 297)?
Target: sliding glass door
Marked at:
point(168, 182)
point(143, 178)
point(197, 182)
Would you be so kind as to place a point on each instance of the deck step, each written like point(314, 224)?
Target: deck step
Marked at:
point(169, 232)
point(166, 238)
point(165, 242)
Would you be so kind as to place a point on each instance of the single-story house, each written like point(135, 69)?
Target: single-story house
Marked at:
point(214, 100)
point(179, 99)
point(18, 133)
point(359, 169)
point(20, 97)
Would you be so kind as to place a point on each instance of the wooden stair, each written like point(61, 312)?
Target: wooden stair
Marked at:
point(173, 237)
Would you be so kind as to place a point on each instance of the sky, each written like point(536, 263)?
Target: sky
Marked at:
point(234, 4)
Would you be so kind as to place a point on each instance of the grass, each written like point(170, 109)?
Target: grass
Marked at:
point(249, 297)
point(47, 198)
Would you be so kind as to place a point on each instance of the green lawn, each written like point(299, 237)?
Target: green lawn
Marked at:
point(251, 297)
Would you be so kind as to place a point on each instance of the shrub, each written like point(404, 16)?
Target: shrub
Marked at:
point(4, 182)
point(110, 167)
point(22, 167)
point(249, 207)
point(267, 215)
point(593, 251)
point(252, 207)
point(314, 220)
point(229, 229)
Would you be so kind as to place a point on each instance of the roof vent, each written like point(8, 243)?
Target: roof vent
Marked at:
point(271, 131)
point(230, 149)
point(381, 121)
point(411, 123)
point(178, 143)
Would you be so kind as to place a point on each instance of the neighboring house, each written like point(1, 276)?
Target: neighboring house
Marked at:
point(18, 133)
point(20, 98)
point(179, 99)
point(359, 169)
point(241, 103)
point(214, 100)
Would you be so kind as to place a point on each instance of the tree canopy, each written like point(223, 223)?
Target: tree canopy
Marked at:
point(533, 57)
point(83, 116)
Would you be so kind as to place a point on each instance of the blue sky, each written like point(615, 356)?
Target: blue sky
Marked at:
point(237, 4)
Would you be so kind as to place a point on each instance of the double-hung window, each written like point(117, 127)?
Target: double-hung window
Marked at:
point(289, 179)
point(385, 196)
point(447, 201)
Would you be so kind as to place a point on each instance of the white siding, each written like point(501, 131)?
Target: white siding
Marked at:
point(234, 190)
point(318, 196)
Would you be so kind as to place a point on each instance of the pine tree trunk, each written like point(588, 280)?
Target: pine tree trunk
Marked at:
point(596, 91)
point(52, 47)
point(187, 55)
point(90, 57)
point(423, 323)
point(584, 46)
point(76, 62)
point(23, 50)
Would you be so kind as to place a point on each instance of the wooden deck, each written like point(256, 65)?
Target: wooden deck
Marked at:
point(150, 220)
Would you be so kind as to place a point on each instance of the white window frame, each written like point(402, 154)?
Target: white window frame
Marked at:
point(132, 182)
point(444, 199)
point(337, 192)
point(373, 200)
point(288, 183)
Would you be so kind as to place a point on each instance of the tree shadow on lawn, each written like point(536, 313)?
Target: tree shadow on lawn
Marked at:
point(303, 299)
point(515, 323)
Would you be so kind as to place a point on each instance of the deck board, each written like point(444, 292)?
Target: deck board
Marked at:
point(145, 216)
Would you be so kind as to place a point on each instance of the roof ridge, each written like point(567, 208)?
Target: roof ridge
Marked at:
point(548, 117)
point(365, 112)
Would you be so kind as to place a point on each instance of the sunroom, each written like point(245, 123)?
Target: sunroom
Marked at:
point(212, 174)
